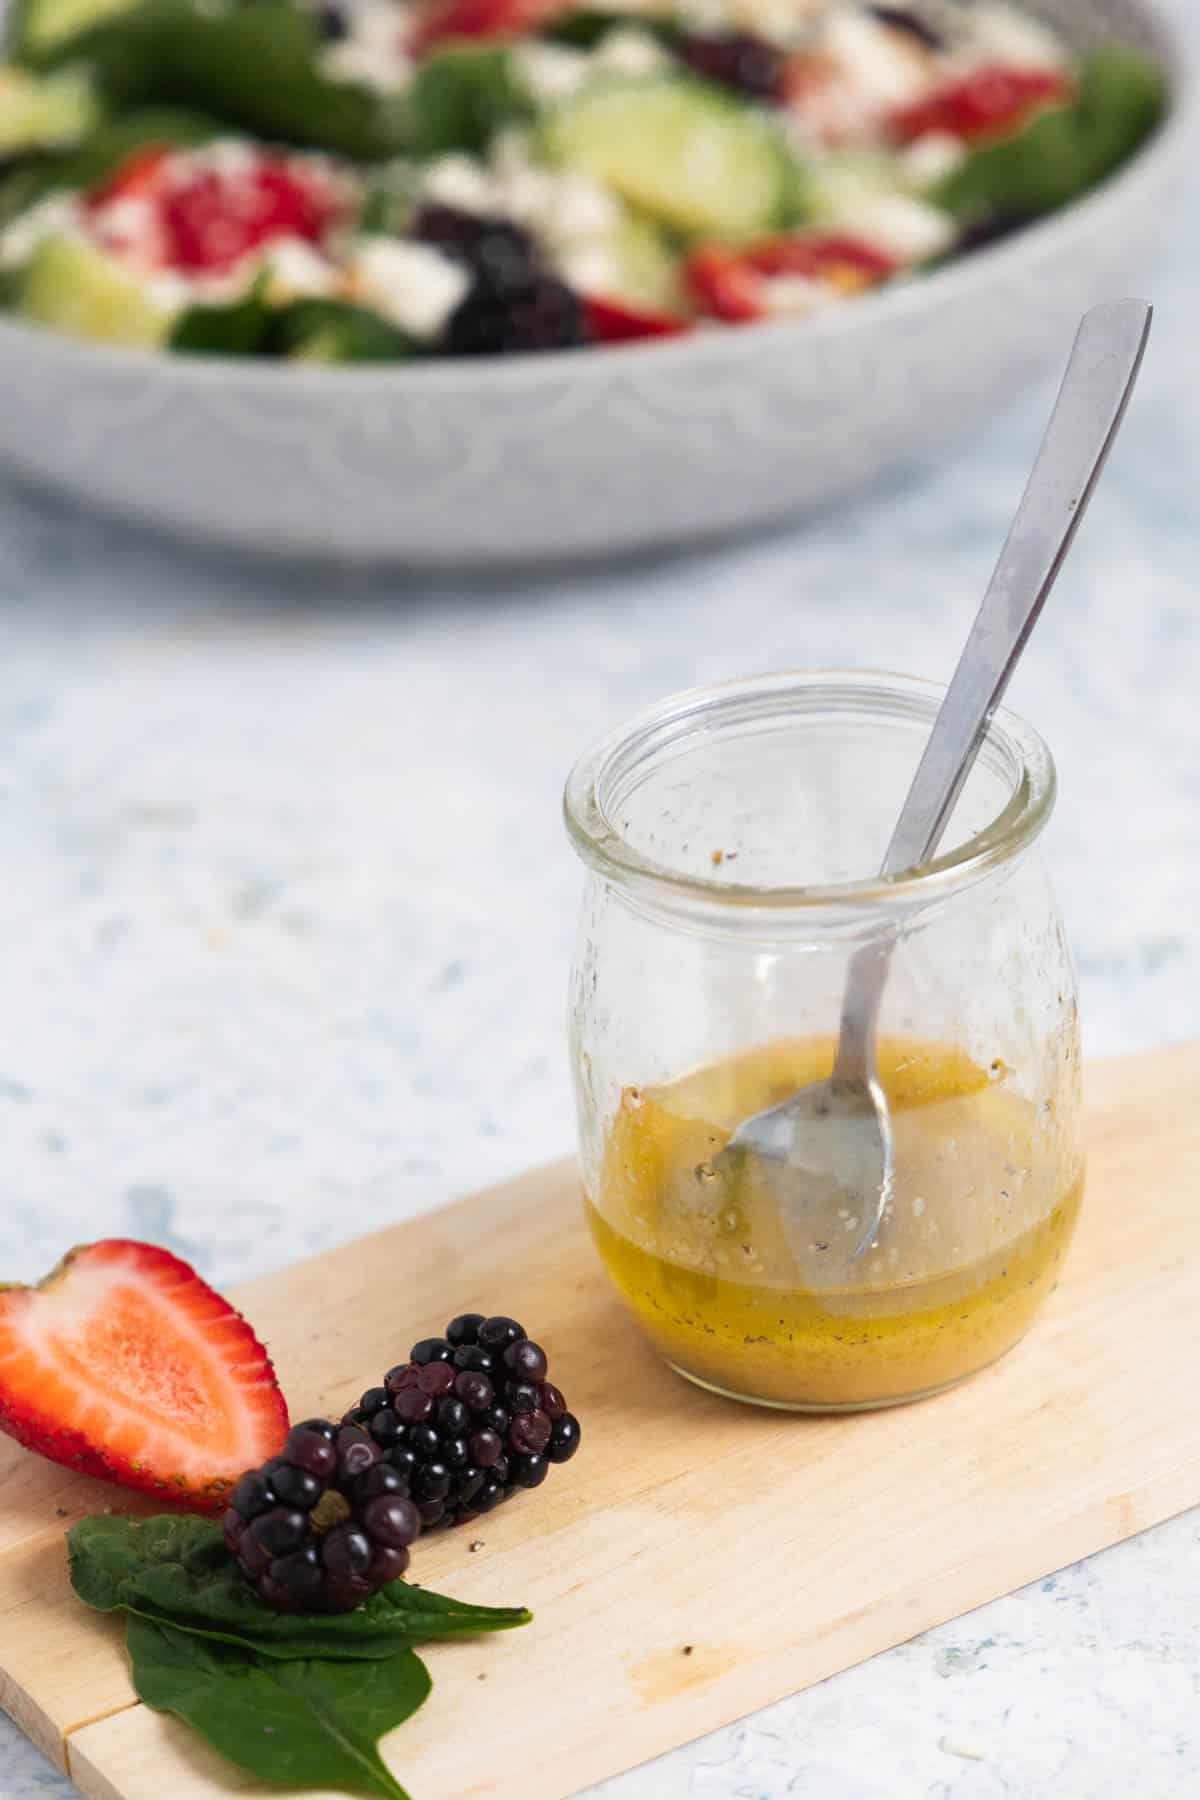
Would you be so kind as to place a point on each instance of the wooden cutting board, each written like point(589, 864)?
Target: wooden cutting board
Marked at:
point(697, 1559)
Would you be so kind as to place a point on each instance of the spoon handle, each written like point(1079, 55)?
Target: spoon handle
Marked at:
point(1091, 404)
point(1087, 415)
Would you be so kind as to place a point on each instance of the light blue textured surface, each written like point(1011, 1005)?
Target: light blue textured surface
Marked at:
point(287, 912)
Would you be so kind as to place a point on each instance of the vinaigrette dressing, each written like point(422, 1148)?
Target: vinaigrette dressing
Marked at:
point(757, 1297)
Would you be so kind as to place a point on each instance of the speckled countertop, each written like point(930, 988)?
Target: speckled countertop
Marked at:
point(288, 911)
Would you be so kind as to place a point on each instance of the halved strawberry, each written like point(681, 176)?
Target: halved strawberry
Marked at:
point(616, 322)
point(122, 1363)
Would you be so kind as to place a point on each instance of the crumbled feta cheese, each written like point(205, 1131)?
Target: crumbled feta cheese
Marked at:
point(229, 158)
point(909, 229)
point(373, 54)
point(413, 285)
point(57, 215)
point(627, 51)
point(551, 72)
point(297, 271)
point(794, 296)
point(172, 292)
point(590, 269)
point(458, 181)
point(1002, 34)
point(574, 208)
point(931, 158)
point(778, 21)
point(884, 68)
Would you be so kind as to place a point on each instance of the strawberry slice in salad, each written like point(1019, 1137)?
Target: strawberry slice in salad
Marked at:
point(982, 104)
point(736, 285)
point(122, 1363)
point(202, 212)
point(619, 322)
point(440, 22)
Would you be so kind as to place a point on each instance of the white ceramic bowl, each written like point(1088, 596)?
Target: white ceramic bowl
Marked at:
point(584, 452)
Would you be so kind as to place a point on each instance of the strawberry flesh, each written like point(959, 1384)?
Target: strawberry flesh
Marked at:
point(615, 322)
point(123, 1364)
point(988, 101)
point(443, 21)
point(204, 220)
point(212, 221)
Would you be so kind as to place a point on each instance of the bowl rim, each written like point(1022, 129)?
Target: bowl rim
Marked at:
point(900, 300)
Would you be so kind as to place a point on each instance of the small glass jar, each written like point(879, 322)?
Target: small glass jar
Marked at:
point(729, 835)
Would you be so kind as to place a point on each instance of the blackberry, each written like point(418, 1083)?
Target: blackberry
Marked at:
point(992, 228)
point(462, 1451)
point(500, 253)
point(542, 313)
point(332, 24)
point(739, 60)
point(901, 18)
point(327, 1522)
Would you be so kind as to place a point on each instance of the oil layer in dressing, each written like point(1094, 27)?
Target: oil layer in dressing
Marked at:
point(759, 1298)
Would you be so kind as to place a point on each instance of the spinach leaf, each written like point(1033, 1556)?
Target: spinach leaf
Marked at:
point(587, 26)
point(238, 328)
point(311, 1724)
point(252, 65)
point(460, 97)
point(101, 153)
point(176, 1569)
point(1064, 150)
point(332, 331)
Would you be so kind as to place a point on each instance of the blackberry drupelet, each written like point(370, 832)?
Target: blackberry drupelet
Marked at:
point(739, 60)
point(514, 303)
point(469, 1419)
point(327, 1522)
point(491, 248)
point(902, 18)
point(542, 313)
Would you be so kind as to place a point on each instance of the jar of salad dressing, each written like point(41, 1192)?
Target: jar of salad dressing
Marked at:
point(730, 834)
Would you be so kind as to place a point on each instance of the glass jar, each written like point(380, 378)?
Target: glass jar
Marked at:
point(729, 835)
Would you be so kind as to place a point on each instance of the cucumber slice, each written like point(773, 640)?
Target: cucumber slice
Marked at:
point(45, 25)
point(686, 154)
point(648, 267)
point(50, 113)
point(71, 286)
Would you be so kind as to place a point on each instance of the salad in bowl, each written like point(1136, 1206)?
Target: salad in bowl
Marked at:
point(349, 181)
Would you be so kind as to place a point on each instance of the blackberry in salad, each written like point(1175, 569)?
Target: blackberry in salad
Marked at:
point(425, 178)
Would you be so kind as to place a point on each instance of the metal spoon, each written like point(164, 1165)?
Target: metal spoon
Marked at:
point(836, 1135)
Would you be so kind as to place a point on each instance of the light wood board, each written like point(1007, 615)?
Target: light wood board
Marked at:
point(697, 1559)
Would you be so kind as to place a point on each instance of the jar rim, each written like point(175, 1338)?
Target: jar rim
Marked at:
point(1021, 753)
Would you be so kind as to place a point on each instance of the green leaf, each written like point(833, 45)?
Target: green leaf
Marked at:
point(1064, 150)
point(101, 153)
point(253, 65)
point(588, 26)
point(311, 1724)
point(459, 98)
point(332, 331)
point(175, 1569)
point(238, 328)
